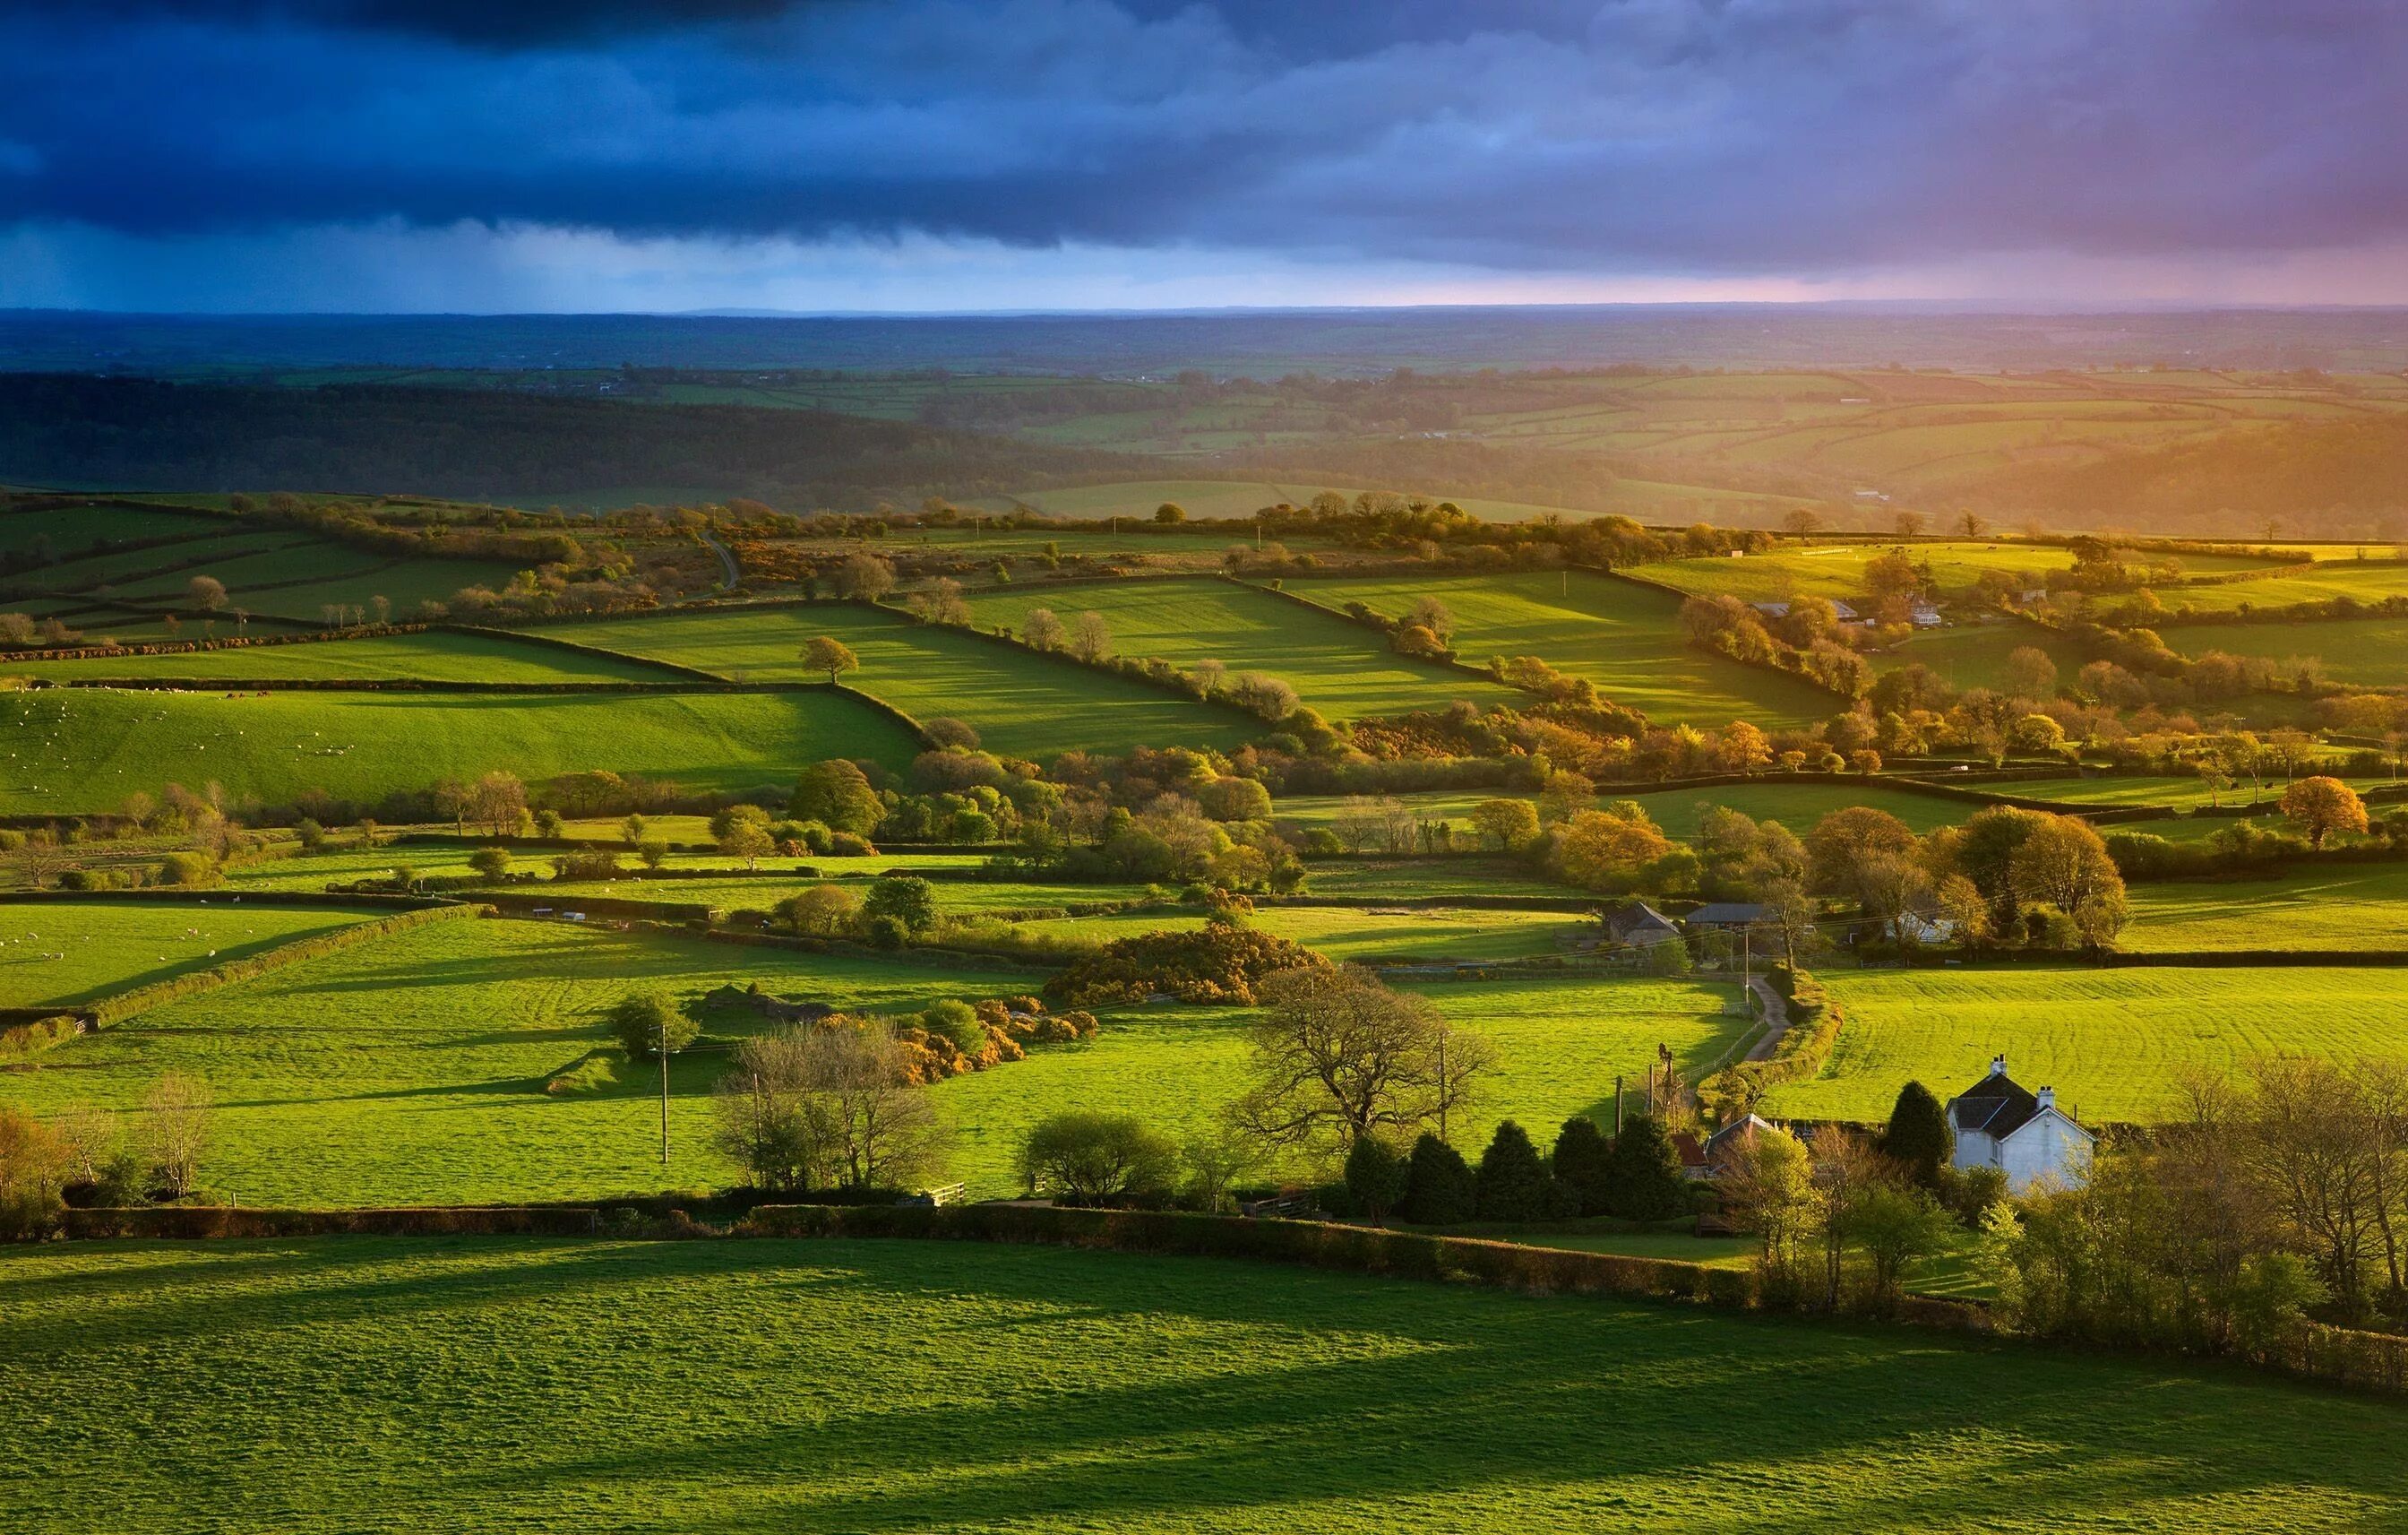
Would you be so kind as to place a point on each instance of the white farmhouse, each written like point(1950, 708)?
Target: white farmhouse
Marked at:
point(2024, 1134)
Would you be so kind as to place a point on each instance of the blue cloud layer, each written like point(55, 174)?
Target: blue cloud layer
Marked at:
point(1711, 136)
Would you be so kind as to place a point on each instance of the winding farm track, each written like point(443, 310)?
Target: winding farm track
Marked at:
point(1776, 1018)
point(726, 560)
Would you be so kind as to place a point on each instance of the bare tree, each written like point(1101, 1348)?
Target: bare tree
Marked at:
point(1337, 1057)
point(1041, 629)
point(2313, 1145)
point(176, 1128)
point(1091, 639)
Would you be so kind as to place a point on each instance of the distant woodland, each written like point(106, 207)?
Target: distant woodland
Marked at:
point(134, 433)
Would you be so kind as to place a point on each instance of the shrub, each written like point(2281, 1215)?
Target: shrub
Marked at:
point(1582, 1159)
point(909, 900)
point(1375, 1177)
point(845, 844)
point(648, 1023)
point(35, 1161)
point(586, 864)
point(1217, 963)
point(193, 871)
point(1512, 1182)
point(1085, 1158)
point(886, 932)
point(1439, 1186)
point(958, 1021)
point(1644, 1179)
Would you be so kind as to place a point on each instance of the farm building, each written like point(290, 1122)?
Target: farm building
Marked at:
point(2024, 1134)
point(1724, 916)
point(1639, 925)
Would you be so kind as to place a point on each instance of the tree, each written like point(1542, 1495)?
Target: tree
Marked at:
point(2063, 862)
point(1439, 1187)
point(1170, 514)
point(863, 576)
point(837, 794)
point(491, 863)
point(1770, 1190)
point(651, 1023)
point(1509, 825)
point(826, 1107)
point(36, 1163)
point(825, 910)
point(175, 1130)
point(2321, 806)
point(1582, 1159)
point(956, 1020)
point(1602, 851)
point(206, 592)
point(1428, 612)
point(743, 831)
point(1042, 630)
point(1337, 1057)
point(1092, 639)
point(1893, 1227)
point(1917, 1137)
point(498, 804)
point(833, 656)
point(1085, 1158)
point(909, 900)
point(1511, 1183)
point(2030, 674)
point(1644, 1179)
point(1845, 843)
point(1376, 1177)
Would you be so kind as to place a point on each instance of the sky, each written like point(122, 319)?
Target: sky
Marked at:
point(955, 155)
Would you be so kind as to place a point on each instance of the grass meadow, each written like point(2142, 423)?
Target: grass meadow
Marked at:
point(1339, 668)
point(1021, 705)
point(367, 1386)
point(1621, 635)
point(1837, 571)
point(2345, 906)
point(2368, 580)
point(1352, 935)
point(66, 953)
point(1971, 655)
point(2112, 1042)
point(429, 657)
point(86, 749)
point(1797, 806)
point(2369, 651)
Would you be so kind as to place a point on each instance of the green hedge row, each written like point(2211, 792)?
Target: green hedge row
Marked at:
point(20, 1040)
point(109, 1010)
point(191, 1222)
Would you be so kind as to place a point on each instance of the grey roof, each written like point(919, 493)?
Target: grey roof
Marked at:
point(1739, 1130)
point(1725, 914)
point(1997, 1106)
point(1639, 922)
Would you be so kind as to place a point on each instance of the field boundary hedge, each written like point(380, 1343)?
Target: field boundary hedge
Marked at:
point(211, 1221)
point(1448, 662)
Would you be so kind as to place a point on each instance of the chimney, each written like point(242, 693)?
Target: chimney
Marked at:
point(1998, 1066)
point(2047, 1097)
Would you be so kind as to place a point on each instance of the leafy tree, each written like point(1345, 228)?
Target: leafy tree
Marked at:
point(2063, 863)
point(1085, 1158)
point(175, 1130)
point(1439, 1189)
point(833, 656)
point(743, 831)
point(310, 834)
point(1917, 1137)
point(648, 1023)
point(206, 592)
point(1509, 824)
point(909, 900)
point(1170, 514)
point(839, 794)
point(824, 910)
point(1511, 1185)
point(1603, 850)
point(1376, 1177)
point(1091, 639)
point(1042, 630)
point(491, 863)
point(1643, 1178)
point(1584, 1159)
point(1893, 1227)
point(2321, 806)
point(863, 576)
point(549, 823)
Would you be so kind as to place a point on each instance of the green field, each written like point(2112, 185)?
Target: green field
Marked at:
point(1021, 705)
point(1837, 571)
point(2349, 905)
point(1971, 655)
point(1620, 635)
point(86, 749)
point(66, 953)
point(1340, 667)
point(2112, 1042)
point(2368, 580)
point(432, 657)
point(73, 532)
point(363, 1385)
point(1397, 878)
point(1353, 935)
point(1797, 806)
point(411, 1070)
point(2369, 651)
point(2118, 789)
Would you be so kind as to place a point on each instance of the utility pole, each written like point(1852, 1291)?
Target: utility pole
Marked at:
point(1443, 1094)
point(663, 1044)
point(1618, 1106)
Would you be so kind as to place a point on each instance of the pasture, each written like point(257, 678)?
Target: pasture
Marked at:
point(431, 656)
point(2367, 652)
point(1972, 655)
point(367, 1384)
point(1837, 571)
point(1352, 935)
point(1621, 635)
point(1021, 705)
point(1796, 806)
point(2366, 580)
point(2114, 1042)
point(66, 953)
point(1337, 667)
point(85, 749)
point(2308, 906)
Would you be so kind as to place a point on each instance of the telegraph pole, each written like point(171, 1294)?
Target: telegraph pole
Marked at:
point(664, 1046)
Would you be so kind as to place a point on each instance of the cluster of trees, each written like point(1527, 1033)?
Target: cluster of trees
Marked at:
point(2275, 1195)
point(86, 1157)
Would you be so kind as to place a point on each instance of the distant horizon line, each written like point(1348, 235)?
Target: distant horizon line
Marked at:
point(1968, 308)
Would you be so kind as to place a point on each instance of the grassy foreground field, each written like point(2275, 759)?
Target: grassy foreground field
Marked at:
point(749, 1387)
point(86, 749)
point(2112, 1042)
point(1624, 637)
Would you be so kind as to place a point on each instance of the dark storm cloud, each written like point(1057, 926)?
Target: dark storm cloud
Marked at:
point(1693, 135)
